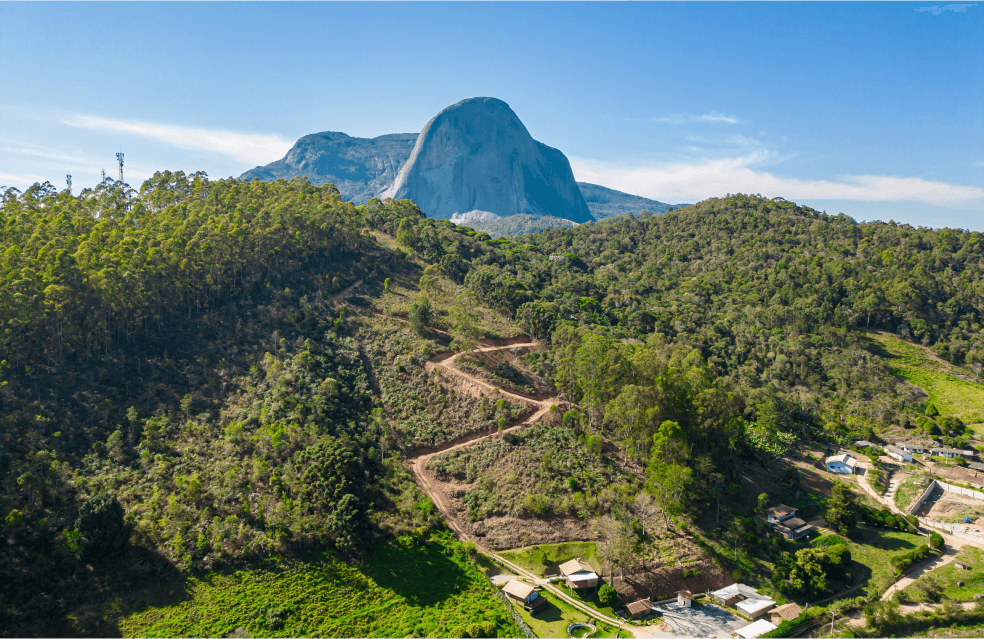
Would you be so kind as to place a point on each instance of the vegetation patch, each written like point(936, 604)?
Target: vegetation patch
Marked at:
point(952, 390)
point(410, 587)
point(875, 549)
point(544, 559)
point(909, 490)
point(499, 374)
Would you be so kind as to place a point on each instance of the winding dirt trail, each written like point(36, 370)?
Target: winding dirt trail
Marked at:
point(418, 463)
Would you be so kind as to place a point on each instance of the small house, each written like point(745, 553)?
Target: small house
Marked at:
point(914, 449)
point(754, 607)
point(898, 454)
point(863, 443)
point(685, 598)
point(950, 453)
point(961, 565)
point(730, 595)
point(843, 464)
point(793, 528)
point(779, 513)
point(578, 574)
point(639, 608)
point(979, 467)
point(785, 612)
point(753, 630)
point(524, 594)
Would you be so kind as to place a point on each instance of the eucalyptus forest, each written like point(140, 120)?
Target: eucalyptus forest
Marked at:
point(204, 378)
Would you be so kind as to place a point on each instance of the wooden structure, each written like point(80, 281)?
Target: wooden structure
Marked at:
point(639, 608)
point(578, 574)
point(685, 598)
point(524, 594)
point(785, 612)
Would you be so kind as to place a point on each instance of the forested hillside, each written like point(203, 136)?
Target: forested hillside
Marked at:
point(208, 373)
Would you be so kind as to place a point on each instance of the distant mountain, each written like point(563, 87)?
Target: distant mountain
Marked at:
point(605, 202)
point(477, 154)
point(359, 167)
point(520, 224)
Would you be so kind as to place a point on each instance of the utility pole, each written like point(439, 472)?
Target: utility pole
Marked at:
point(68, 178)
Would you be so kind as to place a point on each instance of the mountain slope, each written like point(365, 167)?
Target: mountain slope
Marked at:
point(477, 154)
point(604, 202)
point(359, 167)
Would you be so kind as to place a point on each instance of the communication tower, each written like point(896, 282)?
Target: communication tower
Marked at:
point(119, 158)
point(104, 176)
point(68, 178)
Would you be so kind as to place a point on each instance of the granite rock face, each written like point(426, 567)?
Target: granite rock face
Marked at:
point(359, 167)
point(477, 155)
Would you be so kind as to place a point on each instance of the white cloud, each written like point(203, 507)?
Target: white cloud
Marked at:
point(10, 179)
point(710, 178)
point(713, 116)
point(937, 10)
point(249, 148)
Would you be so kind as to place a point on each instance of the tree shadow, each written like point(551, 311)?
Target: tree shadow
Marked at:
point(421, 572)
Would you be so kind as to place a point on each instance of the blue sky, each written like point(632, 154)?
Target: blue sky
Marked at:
point(871, 109)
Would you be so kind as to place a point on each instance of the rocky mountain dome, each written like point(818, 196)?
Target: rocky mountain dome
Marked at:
point(477, 155)
point(359, 167)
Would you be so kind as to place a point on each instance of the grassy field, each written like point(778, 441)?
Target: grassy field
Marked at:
point(410, 587)
point(544, 559)
point(951, 395)
point(874, 550)
point(944, 579)
point(553, 620)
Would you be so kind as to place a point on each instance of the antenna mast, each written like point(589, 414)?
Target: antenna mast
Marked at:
point(104, 176)
point(68, 178)
point(119, 157)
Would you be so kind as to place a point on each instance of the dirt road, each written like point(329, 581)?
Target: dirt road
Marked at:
point(418, 464)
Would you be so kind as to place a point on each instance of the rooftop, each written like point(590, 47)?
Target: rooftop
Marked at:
point(573, 566)
point(638, 607)
point(519, 589)
point(787, 611)
point(844, 458)
point(736, 589)
point(753, 605)
point(755, 629)
point(781, 510)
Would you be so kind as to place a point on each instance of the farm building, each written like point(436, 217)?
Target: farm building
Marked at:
point(730, 595)
point(524, 594)
point(786, 612)
point(863, 444)
point(639, 608)
point(793, 528)
point(753, 608)
point(912, 448)
point(897, 453)
point(949, 453)
point(843, 464)
point(779, 513)
point(753, 630)
point(979, 467)
point(685, 598)
point(578, 574)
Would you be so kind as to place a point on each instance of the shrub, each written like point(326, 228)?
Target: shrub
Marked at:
point(936, 540)
point(607, 595)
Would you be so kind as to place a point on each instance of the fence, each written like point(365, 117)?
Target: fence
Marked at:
point(966, 492)
point(957, 530)
point(922, 498)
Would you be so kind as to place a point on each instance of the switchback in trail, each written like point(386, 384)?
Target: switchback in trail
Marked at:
point(445, 363)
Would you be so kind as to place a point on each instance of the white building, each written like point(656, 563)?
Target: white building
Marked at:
point(951, 452)
point(843, 464)
point(752, 609)
point(897, 453)
point(754, 629)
